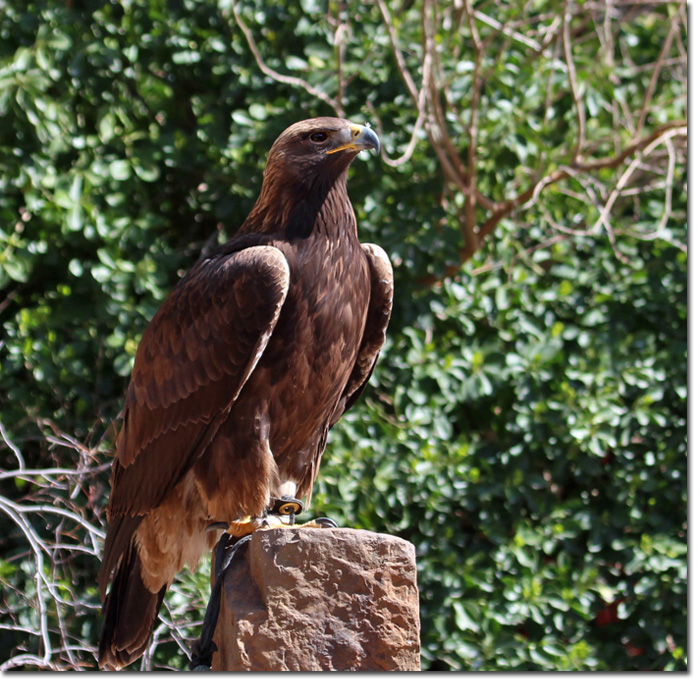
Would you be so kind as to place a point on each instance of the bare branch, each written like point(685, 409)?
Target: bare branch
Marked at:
point(27, 660)
point(410, 148)
point(573, 85)
point(95, 533)
point(294, 81)
point(439, 132)
point(504, 209)
point(396, 52)
point(437, 141)
point(657, 70)
point(420, 100)
point(613, 162)
point(476, 96)
point(39, 578)
point(622, 181)
point(11, 446)
point(49, 472)
point(515, 35)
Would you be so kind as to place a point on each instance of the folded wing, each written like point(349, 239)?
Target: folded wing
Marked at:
point(193, 361)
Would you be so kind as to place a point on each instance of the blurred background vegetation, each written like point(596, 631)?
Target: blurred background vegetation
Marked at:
point(526, 428)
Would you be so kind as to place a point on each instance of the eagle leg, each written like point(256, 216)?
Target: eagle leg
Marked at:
point(287, 506)
point(273, 518)
point(244, 526)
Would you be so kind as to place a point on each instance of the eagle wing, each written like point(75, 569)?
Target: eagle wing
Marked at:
point(193, 361)
point(374, 335)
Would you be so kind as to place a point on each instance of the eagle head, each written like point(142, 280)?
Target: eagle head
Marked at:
point(318, 149)
point(306, 162)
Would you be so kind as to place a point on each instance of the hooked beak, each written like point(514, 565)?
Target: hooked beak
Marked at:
point(361, 137)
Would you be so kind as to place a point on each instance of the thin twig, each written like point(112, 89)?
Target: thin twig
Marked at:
point(670, 170)
point(294, 81)
point(397, 53)
point(12, 446)
point(641, 120)
point(471, 241)
point(515, 35)
point(39, 578)
point(412, 143)
point(622, 181)
point(573, 85)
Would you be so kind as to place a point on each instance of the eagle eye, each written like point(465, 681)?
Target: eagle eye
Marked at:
point(318, 137)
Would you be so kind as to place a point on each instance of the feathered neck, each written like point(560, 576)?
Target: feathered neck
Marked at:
point(296, 209)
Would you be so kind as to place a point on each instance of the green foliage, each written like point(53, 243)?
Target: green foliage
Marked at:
point(526, 427)
point(536, 458)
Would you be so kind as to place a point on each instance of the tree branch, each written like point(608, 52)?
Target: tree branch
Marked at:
point(657, 70)
point(282, 78)
point(396, 52)
point(622, 181)
point(504, 209)
point(573, 85)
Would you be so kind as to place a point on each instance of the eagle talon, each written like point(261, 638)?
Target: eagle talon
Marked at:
point(217, 525)
point(325, 523)
point(318, 523)
point(245, 526)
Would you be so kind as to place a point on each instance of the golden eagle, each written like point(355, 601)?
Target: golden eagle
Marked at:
point(250, 360)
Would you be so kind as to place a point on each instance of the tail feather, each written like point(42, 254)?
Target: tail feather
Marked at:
point(129, 613)
point(120, 533)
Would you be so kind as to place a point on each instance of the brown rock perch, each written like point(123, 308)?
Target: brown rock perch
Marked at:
point(304, 599)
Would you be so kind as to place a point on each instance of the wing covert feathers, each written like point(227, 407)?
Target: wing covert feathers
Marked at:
point(378, 315)
point(190, 366)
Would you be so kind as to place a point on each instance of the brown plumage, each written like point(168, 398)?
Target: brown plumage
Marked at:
point(253, 356)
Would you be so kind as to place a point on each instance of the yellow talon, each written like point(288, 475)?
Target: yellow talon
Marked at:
point(312, 524)
point(248, 524)
point(244, 526)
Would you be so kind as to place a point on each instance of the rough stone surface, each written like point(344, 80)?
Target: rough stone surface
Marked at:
point(320, 600)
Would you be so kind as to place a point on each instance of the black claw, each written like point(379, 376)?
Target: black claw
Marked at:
point(326, 522)
point(217, 525)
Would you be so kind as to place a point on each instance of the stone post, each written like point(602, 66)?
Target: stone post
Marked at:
point(304, 599)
